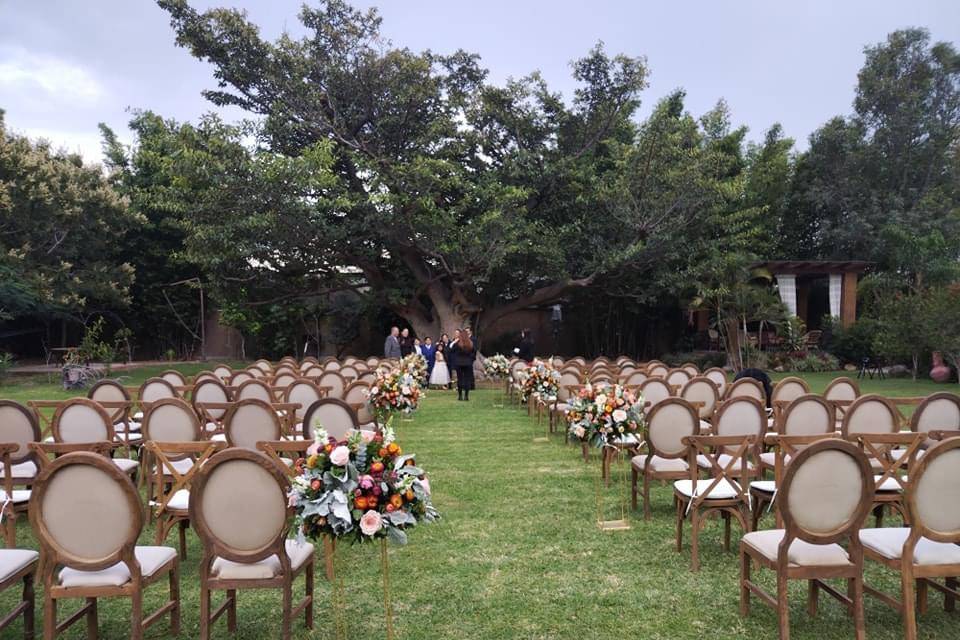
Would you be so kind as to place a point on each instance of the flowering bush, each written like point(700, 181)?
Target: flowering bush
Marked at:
point(496, 367)
point(541, 380)
point(394, 391)
point(604, 413)
point(361, 488)
point(416, 365)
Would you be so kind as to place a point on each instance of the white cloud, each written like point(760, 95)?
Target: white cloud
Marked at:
point(29, 76)
point(88, 145)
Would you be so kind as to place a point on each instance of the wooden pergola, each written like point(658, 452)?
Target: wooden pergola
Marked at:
point(794, 278)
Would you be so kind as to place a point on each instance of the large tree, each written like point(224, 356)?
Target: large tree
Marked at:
point(455, 200)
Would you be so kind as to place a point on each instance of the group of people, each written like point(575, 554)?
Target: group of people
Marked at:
point(460, 353)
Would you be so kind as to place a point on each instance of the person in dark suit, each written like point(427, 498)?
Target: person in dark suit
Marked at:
point(406, 343)
point(463, 353)
point(429, 351)
point(525, 350)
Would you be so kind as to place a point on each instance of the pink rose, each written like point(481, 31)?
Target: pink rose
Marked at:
point(426, 484)
point(367, 436)
point(366, 482)
point(370, 523)
point(313, 448)
point(340, 456)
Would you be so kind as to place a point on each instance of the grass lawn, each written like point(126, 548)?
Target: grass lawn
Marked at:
point(518, 554)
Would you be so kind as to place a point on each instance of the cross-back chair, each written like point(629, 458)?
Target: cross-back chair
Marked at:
point(668, 423)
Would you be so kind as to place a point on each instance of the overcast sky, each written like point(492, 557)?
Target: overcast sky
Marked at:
point(66, 65)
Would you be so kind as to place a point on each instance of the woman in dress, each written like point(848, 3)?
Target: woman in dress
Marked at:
point(406, 343)
point(462, 354)
point(443, 348)
point(440, 376)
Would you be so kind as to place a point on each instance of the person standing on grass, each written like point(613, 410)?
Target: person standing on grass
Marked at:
point(443, 355)
point(462, 354)
point(391, 347)
point(429, 352)
point(525, 350)
point(406, 343)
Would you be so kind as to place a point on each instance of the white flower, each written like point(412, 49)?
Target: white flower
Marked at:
point(601, 401)
point(619, 415)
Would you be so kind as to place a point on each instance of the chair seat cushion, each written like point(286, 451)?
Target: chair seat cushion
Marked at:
point(896, 454)
point(562, 406)
point(132, 425)
point(182, 466)
point(723, 491)
point(19, 496)
point(264, 569)
point(769, 458)
point(218, 437)
point(890, 484)
point(26, 469)
point(150, 559)
point(889, 541)
point(765, 486)
point(705, 427)
point(800, 554)
point(125, 464)
point(13, 560)
point(180, 501)
point(128, 436)
point(723, 460)
point(658, 464)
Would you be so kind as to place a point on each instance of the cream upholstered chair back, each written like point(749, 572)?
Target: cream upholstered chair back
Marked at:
point(256, 372)
point(307, 363)
point(240, 377)
point(285, 378)
point(602, 375)
point(223, 372)
point(657, 370)
point(668, 423)
point(18, 426)
point(655, 390)
point(746, 388)
point(842, 389)
point(678, 377)
point(313, 372)
point(740, 416)
point(934, 494)
point(789, 389)
point(372, 362)
point(171, 420)
point(238, 505)
point(826, 492)
point(174, 377)
point(212, 391)
point(205, 375)
point(719, 378)
point(263, 365)
point(302, 392)
point(701, 389)
point(111, 391)
point(635, 378)
point(85, 511)
point(870, 414)
point(938, 411)
point(367, 376)
point(349, 371)
point(251, 421)
point(691, 369)
point(335, 381)
point(808, 415)
point(285, 368)
point(156, 389)
point(332, 365)
point(256, 389)
point(517, 366)
point(567, 379)
point(360, 366)
point(333, 415)
point(356, 396)
point(81, 420)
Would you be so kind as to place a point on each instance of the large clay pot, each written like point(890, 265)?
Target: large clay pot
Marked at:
point(939, 372)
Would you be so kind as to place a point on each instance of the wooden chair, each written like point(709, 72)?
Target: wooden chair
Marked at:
point(248, 422)
point(239, 377)
point(654, 390)
point(285, 378)
point(263, 365)
point(678, 377)
point(256, 389)
point(703, 391)
point(746, 387)
point(335, 381)
point(890, 481)
point(938, 412)
point(657, 369)
point(668, 423)
point(240, 511)
point(719, 378)
point(80, 421)
point(223, 372)
point(155, 389)
point(823, 500)
point(174, 377)
point(806, 415)
point(18, 428)
point(356, 395)
point(303, 392)
point(738, 416)
point(210, 392)
point(785, 392)
point(928, 548)
point(869, 414)
point(255, 372)
point(114, 394)
point(635, 378)
point(720, 493)
point(87, 517)
point(19, 567)
point(842, 391)
point(692, 370)
point(335, 416)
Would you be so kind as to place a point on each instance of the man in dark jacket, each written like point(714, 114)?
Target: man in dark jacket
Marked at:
point(525, 350)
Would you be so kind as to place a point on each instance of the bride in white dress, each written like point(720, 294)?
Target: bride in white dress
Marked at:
point(441, 374)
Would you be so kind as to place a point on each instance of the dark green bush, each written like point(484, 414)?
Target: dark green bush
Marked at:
point(852, 344)
point(703, 359)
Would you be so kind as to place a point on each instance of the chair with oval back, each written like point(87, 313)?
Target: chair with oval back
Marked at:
point(653, 391)
point(313, 372)
point(824, 498)
point(241, 514)
point(154, 389)
point(308, 362)
point(87, 517)
point(739, 416)
point(248, 422)
point(205, 375)
point(668, 423)
point(356, 395)
point(256, 372)
point(223, 372)
point(938, 412)
point(636, 378)
point(214, 392)
point(785, 392)
point(174, 377)
point(677, 377)
point(284, 380)
point(239, 378)
point(367, 377)
point(842, 391)
point(111, 391)
point(332, 365)
point(302, 392)
point(263, 365)
point(691, 369)
point(702, 390)
point(719, 377)
point(335, 381)
point(748, 388)
point(18, 467)
point(656, 369)
point(349, 373)
point(83, 421)
point(335, 416)
point(254, 389)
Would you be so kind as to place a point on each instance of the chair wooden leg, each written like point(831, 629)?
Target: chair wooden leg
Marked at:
point(633, 487)
point(909, 604)
point(136, 615)
point(950, 601)
point(878, 516)
point(29, 597)
point(921, 597)
point(646, 496)
point(726, 531)
point(308, 610)
point(232, 610)
point(49, 617)
point(859, 621)
point(204, 612)
point(92, 623)
point(286, 630)
point(679, 514)
point(694, 540)
point(183, 538)
point(813, 598)
point(744, 578)
point(783, 607)
point(175, 598)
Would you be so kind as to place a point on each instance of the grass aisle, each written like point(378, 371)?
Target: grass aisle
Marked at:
point(518, 555)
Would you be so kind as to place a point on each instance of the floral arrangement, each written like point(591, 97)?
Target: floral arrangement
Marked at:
point(604, 413)
point(362, 488)
point(496, 367)
point(416, 365)
point(394, 391)
point(541, 380)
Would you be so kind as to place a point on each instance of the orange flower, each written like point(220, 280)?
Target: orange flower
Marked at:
point(396, 500)
point(409, 495)
point(360, 503)
point(393, 448)
point(312, 462)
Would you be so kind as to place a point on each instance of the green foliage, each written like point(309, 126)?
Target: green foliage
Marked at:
point(809, 362)
point(6, 363)
point(852, 344)
point(793, 333)
point(703, 359)
point(94, 348)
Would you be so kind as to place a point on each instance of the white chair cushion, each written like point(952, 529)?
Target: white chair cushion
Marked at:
point(125, 464)
point(19, 496)
point(138, 416)
point(800, 554)
point(126, 426)
point(723, 460)
point(180, 500)
point(770, 423)
point(723, 491)
point(150, 559)
point(659, 464)
point(766, 486)
point(889, 541)
point(562, 406)
point(129, 436)
point(182, 466)
point(26, 469)
point(890, 484)
point(896, 454)
point(218, 437)
point(266, 568)
point(705, 427)
point(770, 458)
point(13, 560)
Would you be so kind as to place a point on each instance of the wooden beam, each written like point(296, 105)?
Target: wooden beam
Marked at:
point(848, 299)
